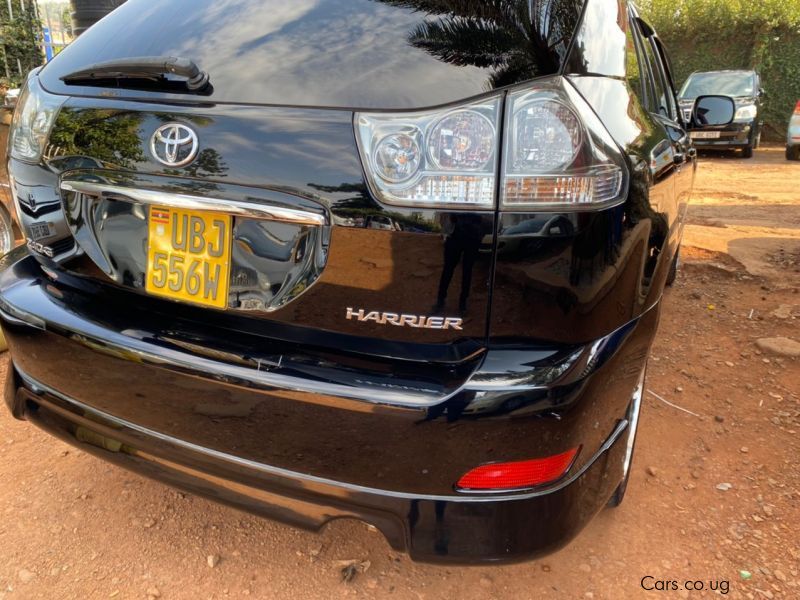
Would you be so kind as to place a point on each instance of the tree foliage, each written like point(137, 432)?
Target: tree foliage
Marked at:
point(19, 41)
point(516, 39)
point(710, 16)
point(705, 35)
point(108, 136)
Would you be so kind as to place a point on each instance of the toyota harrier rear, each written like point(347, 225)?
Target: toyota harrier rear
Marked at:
point(398, 261)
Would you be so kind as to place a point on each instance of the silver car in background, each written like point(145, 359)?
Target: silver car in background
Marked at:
point(793, 136)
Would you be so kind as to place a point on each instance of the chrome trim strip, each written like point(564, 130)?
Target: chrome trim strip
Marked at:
point(17, 316)
point(636, 408)
point(189, 202)
point(36, 387)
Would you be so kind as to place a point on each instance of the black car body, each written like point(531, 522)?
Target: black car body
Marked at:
point(744, 133)
point(474, 406)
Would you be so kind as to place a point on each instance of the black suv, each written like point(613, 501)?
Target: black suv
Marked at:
point(263, 257)
point(744, 133)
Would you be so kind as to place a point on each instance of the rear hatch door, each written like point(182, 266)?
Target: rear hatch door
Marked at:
point(274, 133)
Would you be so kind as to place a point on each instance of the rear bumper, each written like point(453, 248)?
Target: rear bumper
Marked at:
point(113, 389)
point(430, 529)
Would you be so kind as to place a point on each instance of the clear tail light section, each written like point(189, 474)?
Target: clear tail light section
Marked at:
point(556, 154)
point(34, 116)
point(440, 158)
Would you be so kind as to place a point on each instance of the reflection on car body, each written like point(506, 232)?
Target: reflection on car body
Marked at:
point(382, 222)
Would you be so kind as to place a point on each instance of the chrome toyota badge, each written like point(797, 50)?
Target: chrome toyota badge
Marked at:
point(174, 145)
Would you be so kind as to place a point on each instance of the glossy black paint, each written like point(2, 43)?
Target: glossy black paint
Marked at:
point(383, 54)
point(453, 530)
point(299, 413)
point(604, 268)
point(350, 418)
point(294, 157)
point(204, 419)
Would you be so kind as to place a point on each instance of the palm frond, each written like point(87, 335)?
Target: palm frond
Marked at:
point(464, 42)
point(517, 69)
point(490, 10)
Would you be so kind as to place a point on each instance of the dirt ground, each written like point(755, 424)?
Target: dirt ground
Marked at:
point(714, 496)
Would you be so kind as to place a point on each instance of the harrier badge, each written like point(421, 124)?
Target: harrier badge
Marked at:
point(413, 321)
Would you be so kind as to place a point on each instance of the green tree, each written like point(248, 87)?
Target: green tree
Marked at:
point(20, 31)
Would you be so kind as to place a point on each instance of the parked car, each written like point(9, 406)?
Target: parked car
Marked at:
point(793, 136)
point(198, 301)
point(744, 133)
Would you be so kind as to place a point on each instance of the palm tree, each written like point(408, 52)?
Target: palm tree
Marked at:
point(517, 39)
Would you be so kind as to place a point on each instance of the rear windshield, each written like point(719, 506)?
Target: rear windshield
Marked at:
point(338, 53)
point(725, 84)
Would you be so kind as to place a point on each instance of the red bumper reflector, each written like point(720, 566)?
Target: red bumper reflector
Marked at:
point(518, 475)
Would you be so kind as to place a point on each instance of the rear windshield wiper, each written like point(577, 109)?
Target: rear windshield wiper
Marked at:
point(152, 68)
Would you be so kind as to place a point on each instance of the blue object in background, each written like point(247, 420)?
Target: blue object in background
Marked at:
point(48, 43)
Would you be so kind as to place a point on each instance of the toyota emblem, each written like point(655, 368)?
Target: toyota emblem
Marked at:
point(174, 145)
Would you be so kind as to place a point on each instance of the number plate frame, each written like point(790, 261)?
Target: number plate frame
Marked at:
point(41, 230)
point(705, 135)
point(189, 255)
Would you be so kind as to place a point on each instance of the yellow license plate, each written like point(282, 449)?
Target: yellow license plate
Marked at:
point(189, 256)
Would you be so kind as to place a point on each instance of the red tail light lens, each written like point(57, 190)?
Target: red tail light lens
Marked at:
point(518, 475)
point(797, 108)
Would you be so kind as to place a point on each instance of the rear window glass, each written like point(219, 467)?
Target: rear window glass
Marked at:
point(337, 53)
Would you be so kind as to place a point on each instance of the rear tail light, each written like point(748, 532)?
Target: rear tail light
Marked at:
point(797, 108)
point(518, 475)
point(556, 153)
point(34, 116)
point(438, 158)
